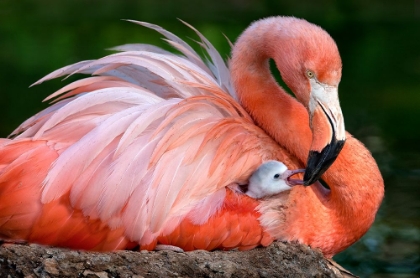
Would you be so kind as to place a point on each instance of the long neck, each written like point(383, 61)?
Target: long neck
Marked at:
point(344, 214)
point(275, 111)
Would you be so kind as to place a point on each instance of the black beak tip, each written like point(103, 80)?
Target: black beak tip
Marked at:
point(307, 180)
point(319, 162)
point(311, 176)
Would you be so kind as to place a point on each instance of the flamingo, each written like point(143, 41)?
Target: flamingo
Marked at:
point(271, 178)
point(146, 151)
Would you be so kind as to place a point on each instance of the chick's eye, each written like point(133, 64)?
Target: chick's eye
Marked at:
point(310, 74)
point(276, 176)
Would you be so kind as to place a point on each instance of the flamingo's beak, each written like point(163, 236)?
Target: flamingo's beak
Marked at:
point(328, 132)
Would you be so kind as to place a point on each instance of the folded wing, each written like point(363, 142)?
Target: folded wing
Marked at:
point(149, 138)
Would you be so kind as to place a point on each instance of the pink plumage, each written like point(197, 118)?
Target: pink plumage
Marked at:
point(151, 148)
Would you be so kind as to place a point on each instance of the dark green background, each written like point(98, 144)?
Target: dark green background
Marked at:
point(380, 90)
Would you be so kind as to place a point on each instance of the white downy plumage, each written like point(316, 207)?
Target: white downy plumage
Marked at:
point(268, 179)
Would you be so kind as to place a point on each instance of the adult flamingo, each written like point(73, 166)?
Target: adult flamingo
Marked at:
point(150, 149)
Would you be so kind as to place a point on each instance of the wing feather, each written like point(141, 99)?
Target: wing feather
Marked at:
point(153, 138)
point(189, 51)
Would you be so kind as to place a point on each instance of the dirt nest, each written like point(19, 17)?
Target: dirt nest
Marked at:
point(278, 260)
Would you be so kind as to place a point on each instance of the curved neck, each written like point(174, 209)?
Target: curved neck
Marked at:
point(274, 110)
point(355, 181)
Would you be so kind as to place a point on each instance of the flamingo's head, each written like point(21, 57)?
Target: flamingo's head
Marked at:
point(312, 70)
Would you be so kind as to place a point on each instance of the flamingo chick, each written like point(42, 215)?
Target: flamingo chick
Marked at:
point(271, 178)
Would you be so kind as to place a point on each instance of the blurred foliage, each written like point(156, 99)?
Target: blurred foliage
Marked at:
point(380, 90)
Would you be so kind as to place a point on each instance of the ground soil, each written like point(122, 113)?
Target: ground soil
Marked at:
point(277, 260)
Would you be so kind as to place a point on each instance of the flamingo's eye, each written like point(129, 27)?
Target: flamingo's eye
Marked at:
point(310, 74)
point(276, 176)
